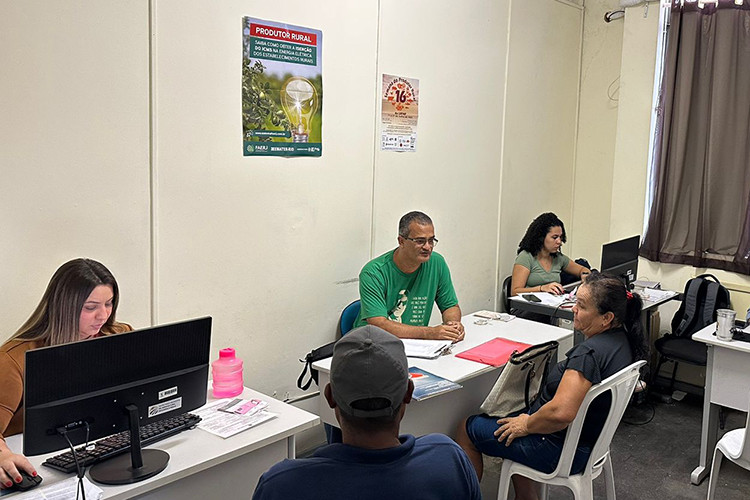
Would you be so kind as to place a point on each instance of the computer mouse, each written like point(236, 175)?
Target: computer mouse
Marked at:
point(27, 482)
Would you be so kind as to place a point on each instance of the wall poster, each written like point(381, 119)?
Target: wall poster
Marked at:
point(282, 89)
point(399, 113)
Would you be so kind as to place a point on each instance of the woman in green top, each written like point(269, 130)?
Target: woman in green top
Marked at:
point(539, 261)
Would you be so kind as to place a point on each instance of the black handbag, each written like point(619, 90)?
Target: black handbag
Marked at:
point(322, 352)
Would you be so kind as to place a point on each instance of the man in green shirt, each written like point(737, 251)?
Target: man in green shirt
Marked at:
point(398, 288)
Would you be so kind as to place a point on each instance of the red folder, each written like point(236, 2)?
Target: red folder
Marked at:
point(495, 352)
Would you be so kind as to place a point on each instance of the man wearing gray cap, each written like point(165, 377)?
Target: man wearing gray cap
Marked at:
point(369, 391)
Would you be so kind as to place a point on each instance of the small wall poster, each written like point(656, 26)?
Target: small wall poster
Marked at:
point(282, 89)
point(400, 113)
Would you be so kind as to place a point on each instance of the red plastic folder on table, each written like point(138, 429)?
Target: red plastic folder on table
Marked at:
point(495, 352)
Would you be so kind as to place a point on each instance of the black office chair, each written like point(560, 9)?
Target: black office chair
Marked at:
point(567, 279)
point(701, 299)
point(679, 350)
point(505, 294)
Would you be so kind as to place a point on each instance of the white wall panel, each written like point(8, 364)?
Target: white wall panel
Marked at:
point(74, 160)
point(267, 246)
point(540, 122)
point(457, 51)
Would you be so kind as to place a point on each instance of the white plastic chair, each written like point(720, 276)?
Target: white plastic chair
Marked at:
point(621, 385)
point(736, 447)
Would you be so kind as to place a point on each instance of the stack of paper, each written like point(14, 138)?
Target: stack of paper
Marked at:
point(67, 488)
point(430, 349)
point(227, 417)
point(550, 299)
point(653, 295)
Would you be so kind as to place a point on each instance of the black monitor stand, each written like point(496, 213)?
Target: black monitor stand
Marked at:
point(139, 465)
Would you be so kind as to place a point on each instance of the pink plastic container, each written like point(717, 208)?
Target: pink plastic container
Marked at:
point(227, 374)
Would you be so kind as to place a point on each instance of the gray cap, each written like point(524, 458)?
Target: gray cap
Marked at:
point(369, 363)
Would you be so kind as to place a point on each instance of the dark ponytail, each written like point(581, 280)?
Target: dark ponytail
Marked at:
point(610, 295)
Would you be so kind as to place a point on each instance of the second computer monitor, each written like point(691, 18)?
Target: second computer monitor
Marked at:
point(620, 258)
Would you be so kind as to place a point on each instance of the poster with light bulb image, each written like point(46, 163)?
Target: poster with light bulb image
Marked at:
point(282, 89)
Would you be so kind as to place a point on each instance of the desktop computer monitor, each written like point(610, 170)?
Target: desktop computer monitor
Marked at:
point(620, 259)
point(115, 383)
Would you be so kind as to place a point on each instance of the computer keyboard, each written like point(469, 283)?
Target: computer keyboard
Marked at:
point(117, 444)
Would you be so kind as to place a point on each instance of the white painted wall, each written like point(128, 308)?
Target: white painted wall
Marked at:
point(540, 122)
point(74, 162)
point(267, 246)
point(271, 247)
point(458, 54)
point(597, 130)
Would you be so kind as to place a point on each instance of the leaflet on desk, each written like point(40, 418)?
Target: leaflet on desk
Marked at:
point(225, 424)
point(427, 385)
point(67, 488)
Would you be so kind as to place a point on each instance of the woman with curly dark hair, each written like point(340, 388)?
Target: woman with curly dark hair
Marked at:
point(539, 260)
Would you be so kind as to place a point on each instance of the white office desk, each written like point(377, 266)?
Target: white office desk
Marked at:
point(202, 465)
point(727, 382)
point(566, 311)
point(443, 412)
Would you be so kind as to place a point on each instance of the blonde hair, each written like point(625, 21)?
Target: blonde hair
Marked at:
point(55, 320)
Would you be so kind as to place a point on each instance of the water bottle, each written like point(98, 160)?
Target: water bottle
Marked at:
point(227, 375)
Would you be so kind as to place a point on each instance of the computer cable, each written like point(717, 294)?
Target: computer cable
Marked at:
point(649, 419)
point(639, 398)
point(565, 304)
point(80, 469)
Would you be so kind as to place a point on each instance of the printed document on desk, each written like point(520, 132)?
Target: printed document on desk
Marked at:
point(61, 490)
point(427, 385)
point(223, 424)
point(429, 349)
point(654, 295)
point(550, 299)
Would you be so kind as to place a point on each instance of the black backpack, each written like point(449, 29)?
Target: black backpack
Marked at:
point(701, 299)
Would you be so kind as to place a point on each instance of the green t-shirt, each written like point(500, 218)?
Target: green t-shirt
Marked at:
point(537, 274)
point(406, 298)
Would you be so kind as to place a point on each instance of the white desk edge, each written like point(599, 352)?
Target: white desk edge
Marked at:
point(197, 450)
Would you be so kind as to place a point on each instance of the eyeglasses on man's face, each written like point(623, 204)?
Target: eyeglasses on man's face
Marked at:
point(422, 241)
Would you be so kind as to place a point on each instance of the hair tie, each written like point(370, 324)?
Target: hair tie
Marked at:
point(629, 295)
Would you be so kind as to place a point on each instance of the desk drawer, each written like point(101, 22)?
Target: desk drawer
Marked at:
point(729, 378)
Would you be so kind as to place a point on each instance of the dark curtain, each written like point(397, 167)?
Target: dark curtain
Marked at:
point(700, 215)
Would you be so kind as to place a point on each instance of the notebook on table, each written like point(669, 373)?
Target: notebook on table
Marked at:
point(495, 352)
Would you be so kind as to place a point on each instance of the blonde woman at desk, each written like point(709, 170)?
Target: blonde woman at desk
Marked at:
point(80, 303)
point(539, 261)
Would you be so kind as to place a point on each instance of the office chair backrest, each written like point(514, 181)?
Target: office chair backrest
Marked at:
point(621, 385)
point(567, 279)
point(505, 294)
point(348, 316)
